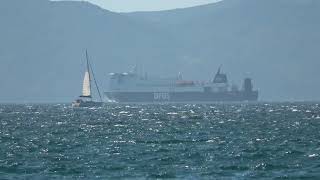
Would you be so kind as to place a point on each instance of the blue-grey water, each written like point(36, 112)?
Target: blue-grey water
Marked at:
point(230, 141)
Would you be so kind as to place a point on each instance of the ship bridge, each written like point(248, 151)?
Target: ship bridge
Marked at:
point(220, 77)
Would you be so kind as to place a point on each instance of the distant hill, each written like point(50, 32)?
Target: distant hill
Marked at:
point(276, 42)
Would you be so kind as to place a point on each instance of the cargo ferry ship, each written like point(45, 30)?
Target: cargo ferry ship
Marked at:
point(130, 87)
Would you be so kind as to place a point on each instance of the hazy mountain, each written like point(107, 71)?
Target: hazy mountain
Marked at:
point(42, 46)
point(275, 42)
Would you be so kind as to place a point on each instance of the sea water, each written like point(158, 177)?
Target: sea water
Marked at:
point(183, 141)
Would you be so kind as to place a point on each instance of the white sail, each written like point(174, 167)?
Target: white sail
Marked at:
point(86, 90)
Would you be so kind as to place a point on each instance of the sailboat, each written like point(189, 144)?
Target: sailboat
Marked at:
point(86, 100)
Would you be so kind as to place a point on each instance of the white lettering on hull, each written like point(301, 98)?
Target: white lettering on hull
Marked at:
point(161, 96)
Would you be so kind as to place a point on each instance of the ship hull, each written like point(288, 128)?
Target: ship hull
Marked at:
point(181, 97)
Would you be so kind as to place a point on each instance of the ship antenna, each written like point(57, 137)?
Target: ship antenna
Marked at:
point(95, 82)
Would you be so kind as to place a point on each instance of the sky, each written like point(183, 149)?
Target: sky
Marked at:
point(147, 5)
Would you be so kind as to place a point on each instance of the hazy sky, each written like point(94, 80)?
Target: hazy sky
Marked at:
point(147, 5)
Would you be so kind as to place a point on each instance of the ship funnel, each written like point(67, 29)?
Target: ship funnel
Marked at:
point(247, 86)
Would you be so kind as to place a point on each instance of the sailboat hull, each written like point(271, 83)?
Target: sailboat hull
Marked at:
point(80, 103)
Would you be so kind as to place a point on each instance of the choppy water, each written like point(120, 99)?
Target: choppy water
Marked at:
point(160, 141)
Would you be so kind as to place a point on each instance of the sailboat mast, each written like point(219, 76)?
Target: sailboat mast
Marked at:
point(88, 70)
point(95, 81)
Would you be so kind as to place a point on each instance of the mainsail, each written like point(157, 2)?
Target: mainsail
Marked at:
point(86, 89)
